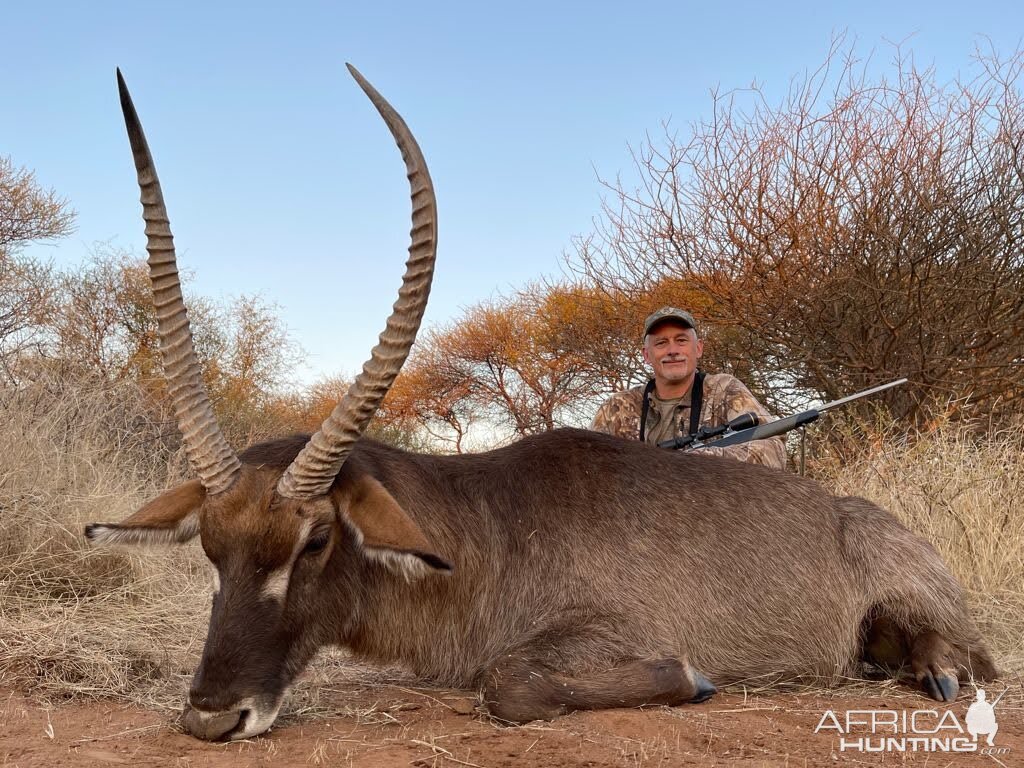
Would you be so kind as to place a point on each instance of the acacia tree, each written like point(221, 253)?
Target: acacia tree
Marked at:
point(431, 396)
point(28, 213)
point(858, 231)
point(499, 364)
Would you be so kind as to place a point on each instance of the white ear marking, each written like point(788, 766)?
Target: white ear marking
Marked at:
point(405, 564)
point(409, 567)
point(105, 534)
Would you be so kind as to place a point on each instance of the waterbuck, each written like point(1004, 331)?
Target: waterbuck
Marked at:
point(570, 570)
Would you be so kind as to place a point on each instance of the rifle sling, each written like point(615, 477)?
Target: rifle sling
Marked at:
point(643, 409)
point(696, 403)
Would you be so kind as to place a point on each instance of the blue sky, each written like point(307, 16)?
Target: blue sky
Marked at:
point(281, 180)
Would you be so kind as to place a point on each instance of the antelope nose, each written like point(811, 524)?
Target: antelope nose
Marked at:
point(211, 726)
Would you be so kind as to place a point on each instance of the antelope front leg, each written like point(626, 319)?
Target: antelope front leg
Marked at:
point(518, 689)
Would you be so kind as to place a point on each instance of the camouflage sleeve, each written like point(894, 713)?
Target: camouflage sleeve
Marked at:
point(725, 398)
point(619, 415)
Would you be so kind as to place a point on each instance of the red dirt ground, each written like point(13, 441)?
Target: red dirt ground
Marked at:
point(391, 725)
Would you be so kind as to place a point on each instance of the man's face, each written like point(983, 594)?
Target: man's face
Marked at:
point(673, 350)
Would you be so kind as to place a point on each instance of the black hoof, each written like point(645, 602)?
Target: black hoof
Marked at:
point(943, 687)
point(705, 690)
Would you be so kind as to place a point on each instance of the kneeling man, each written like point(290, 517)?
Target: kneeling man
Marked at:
point(681, 399)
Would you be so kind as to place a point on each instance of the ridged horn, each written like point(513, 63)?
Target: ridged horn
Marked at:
point(316, 466)
point(208, 452)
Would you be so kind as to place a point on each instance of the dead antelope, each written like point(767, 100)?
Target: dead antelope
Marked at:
point(568, 571)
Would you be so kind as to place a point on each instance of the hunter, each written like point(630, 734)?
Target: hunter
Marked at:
point(681, 398)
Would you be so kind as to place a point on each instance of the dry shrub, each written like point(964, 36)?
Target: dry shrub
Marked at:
point(960, 488)
point(836, 230)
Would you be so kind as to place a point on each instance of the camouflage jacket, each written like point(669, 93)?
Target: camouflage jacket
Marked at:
point(725, 397)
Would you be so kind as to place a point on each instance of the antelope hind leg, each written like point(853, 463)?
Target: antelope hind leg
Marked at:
point(914, 594)
point(934, 663)
point(518, 689)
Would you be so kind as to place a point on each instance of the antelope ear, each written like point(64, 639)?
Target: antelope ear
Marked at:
point(384, 531)
point(170, 518)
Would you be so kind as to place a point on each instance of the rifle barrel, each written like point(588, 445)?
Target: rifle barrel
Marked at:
point(859, 395)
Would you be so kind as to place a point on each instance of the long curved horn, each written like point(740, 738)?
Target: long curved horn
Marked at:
point(208, 452)
point(316, 466)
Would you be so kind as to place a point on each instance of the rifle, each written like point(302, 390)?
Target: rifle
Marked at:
point(745, 427)
point(743, 422)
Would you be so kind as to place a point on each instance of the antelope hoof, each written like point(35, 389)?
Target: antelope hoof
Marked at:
point(941, 687)
point(705, 689)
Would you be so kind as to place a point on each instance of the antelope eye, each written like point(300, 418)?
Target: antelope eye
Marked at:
point(317, 542)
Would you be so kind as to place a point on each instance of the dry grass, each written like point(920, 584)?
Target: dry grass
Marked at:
point(962, 490)
point(78, 622)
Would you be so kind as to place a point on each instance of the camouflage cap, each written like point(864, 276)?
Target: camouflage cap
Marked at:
point(681, 316)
